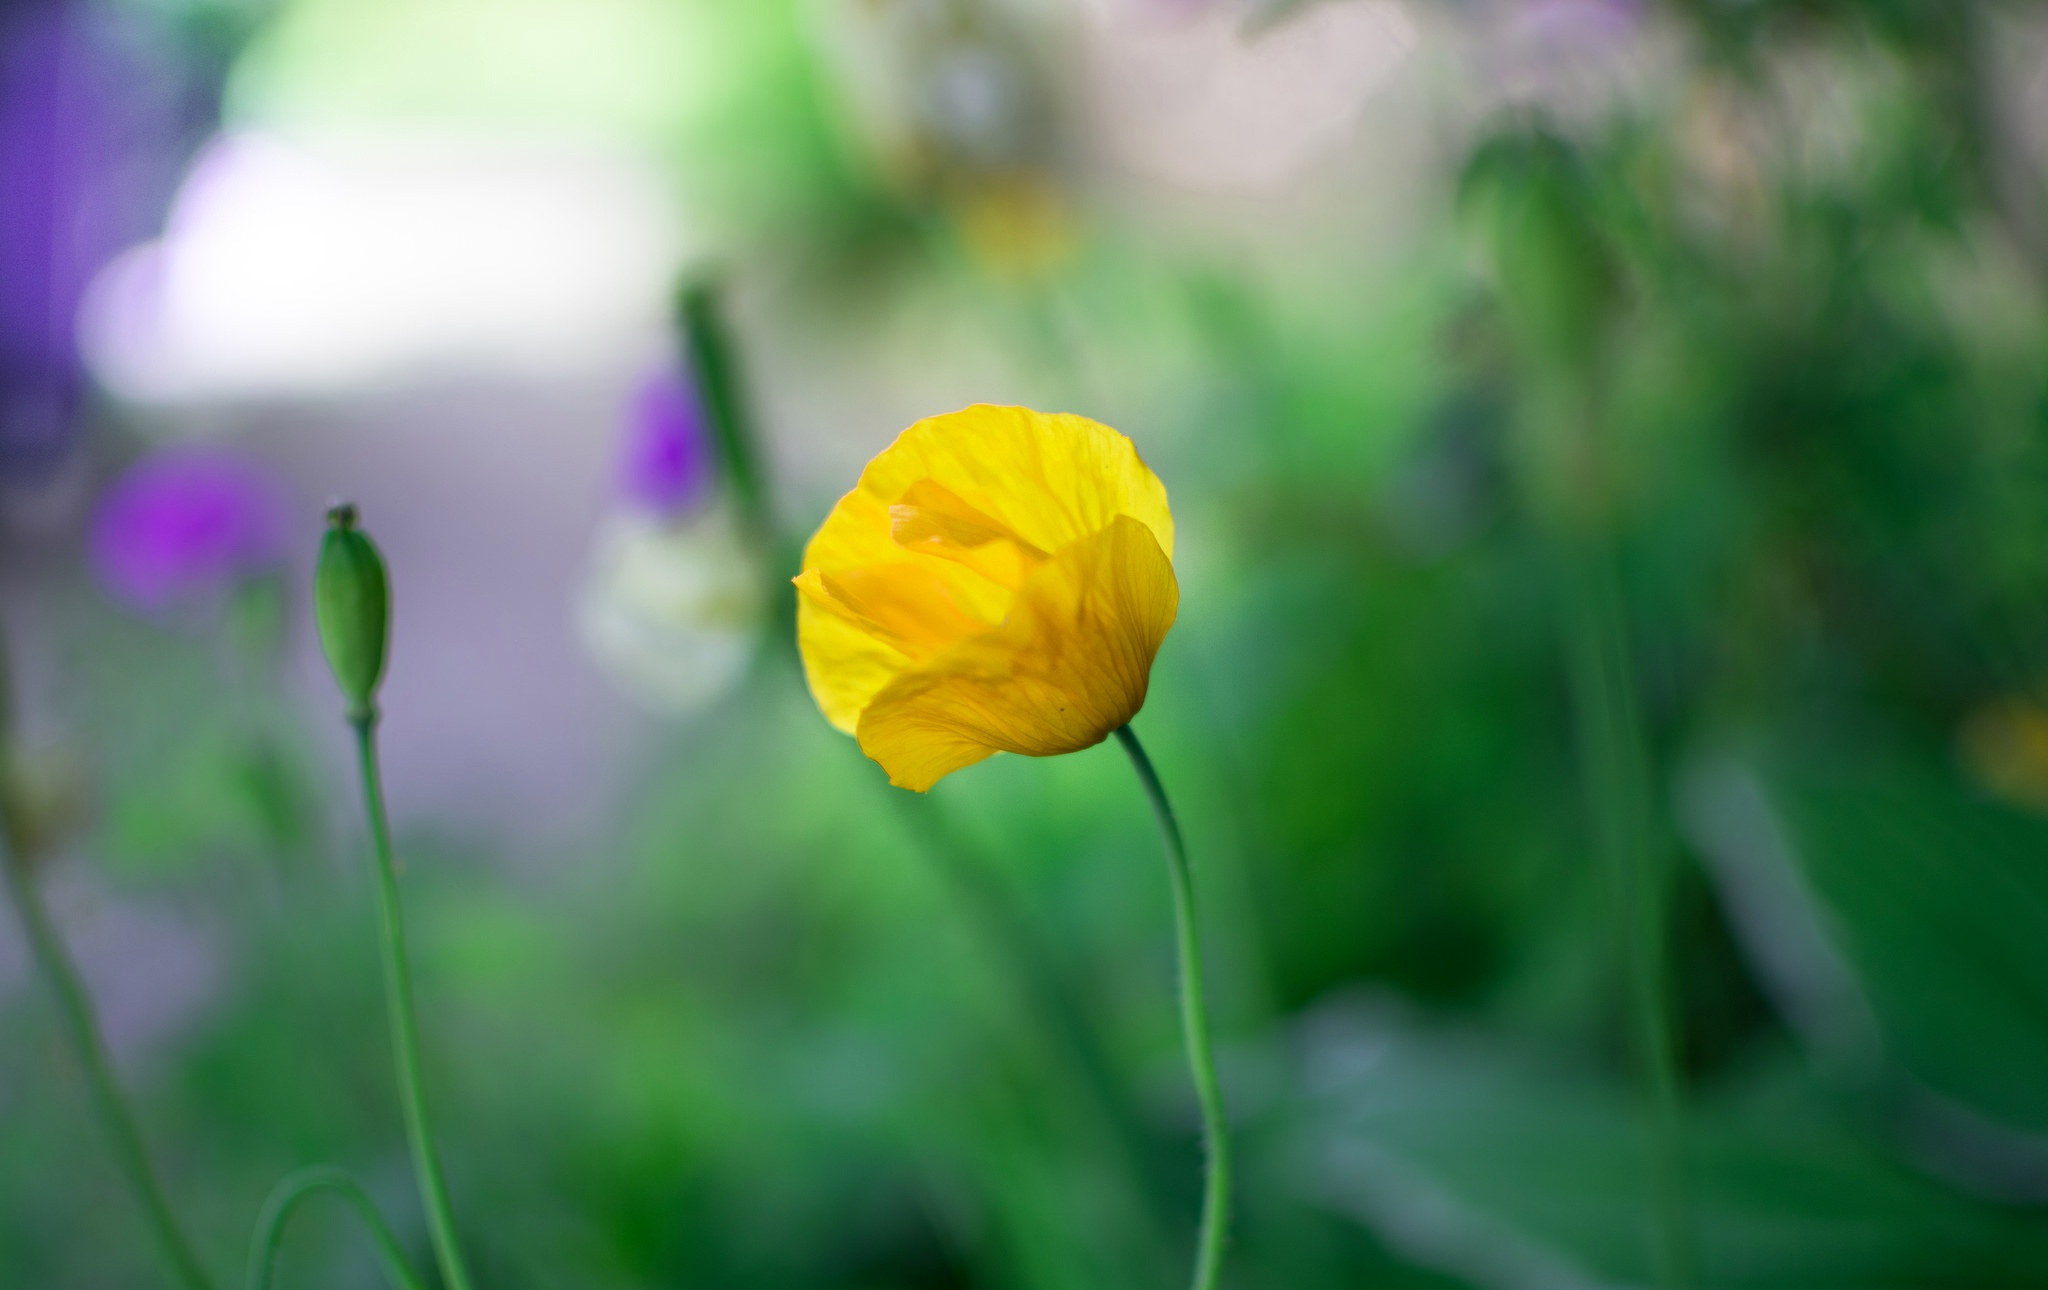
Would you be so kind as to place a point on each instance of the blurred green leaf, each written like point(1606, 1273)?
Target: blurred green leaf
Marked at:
point(1475, 1156)
point(230, 794)
point(1937, 899)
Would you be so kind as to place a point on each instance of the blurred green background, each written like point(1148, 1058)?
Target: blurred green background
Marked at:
point(1421, 309)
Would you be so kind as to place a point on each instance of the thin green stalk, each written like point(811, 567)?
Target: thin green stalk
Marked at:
point(1194, 1020)
point(74, 1006)
point(713, 362)
point(1619, 800)
point(405, 1038)
point(301, 1186)
point(713, 365)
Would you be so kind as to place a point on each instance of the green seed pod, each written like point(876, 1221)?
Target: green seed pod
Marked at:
point(352, 600)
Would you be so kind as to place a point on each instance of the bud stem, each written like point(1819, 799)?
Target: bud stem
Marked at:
point(1194, 1020)
point(405, 1039)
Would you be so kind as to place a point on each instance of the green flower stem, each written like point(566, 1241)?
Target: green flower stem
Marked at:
point(405, 1037)
point(301, 1186)
point(708, 352)
point(1194, 1020)
point(75, 1007)
point(713, 361)
point(1619, 801)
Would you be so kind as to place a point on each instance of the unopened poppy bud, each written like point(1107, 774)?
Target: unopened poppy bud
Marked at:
point(352, 600)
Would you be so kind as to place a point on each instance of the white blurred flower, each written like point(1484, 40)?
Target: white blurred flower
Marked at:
point(671, 607)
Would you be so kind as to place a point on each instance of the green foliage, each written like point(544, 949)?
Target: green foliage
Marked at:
point(1934, 898)
point(1491, 1160)
point(769, 1027)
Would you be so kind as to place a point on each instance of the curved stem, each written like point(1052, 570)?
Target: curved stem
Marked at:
point(405, 1038)
point(298, 1187)
point(74, 1005)
point(1194, 1020)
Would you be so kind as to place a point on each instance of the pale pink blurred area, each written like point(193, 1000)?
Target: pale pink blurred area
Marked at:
point(447, 331)
point(1206, 97)
point(497, 726)
point(152, 970)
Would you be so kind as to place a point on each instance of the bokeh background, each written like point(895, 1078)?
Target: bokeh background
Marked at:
point(1417, 306)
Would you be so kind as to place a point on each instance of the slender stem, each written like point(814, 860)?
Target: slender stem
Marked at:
point(1619, 794)
point(123, 1134)
point(714, 364)
point(708, 350)
point(405, 1038)
point(1194, 1020)
point(301, 1186)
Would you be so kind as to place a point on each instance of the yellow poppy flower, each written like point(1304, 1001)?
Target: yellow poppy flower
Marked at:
point(998, 581)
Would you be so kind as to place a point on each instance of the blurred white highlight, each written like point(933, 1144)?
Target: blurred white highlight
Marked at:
point(293, 268)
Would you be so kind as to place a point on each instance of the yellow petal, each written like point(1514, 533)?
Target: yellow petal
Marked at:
point(845, 665)
point(1048, 478)
point(943, 529)
point(933, 520)
point(849, 655)
point(1068, 667)
point(856, 533)
point(858, 628)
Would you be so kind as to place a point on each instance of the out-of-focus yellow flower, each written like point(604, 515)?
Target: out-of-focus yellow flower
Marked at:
point(1016, 225)
point(999, 581)
point(2005, 748)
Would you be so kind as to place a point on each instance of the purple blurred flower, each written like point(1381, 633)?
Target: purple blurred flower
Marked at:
point(666, 466)
point(98, 110)
point(49, 127)
point(185, 524)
